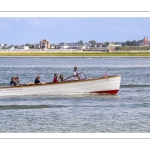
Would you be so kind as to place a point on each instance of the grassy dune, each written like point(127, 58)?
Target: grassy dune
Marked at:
point(65, 54)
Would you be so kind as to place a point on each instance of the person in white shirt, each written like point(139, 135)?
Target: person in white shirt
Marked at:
point(75, 73)
point(60, 79)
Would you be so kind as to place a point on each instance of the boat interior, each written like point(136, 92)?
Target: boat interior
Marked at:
point(78, 77)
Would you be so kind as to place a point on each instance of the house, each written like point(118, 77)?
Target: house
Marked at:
point(101, 45)
point(112, 46)
point(73, 45)
point(98, 46)
point(82, 47)
point(16, 46)
point(123, 43)
point(11, 47)
point(69, 45)
point(143, 42)
point(1, 46)
point(37, 46)
point(52, 46)
point(57, 46)
point(44, 44)
point(24, 47)
point(63, 46)
point(85, 46)
point(117, 44)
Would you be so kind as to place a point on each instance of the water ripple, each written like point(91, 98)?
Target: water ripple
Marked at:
point(16, 107)
point(134, 85)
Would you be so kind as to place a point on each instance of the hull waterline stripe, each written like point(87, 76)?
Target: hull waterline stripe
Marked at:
point(106, 92)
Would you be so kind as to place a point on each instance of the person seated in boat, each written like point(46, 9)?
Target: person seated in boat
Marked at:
point(37, 80)
point(55, 80)
point(105, 76)
point(60, 79)
point(75, 73)
point(17, 81)
point(13, 82)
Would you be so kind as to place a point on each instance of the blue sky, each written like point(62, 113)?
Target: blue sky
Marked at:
point(31, 30)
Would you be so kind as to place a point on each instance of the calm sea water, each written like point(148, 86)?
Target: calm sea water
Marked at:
point(128, 111)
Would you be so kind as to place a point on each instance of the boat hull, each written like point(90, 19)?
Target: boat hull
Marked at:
point(108, 85)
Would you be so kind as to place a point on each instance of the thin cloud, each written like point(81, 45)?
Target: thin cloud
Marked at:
point(66, 29)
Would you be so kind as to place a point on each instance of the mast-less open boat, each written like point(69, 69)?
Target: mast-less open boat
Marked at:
point(73, 84)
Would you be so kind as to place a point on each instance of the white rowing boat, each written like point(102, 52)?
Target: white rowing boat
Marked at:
point(73, 84)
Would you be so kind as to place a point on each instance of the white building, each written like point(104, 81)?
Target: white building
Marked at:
point(2, 46)
point(85, 46)
point(52, 46)
point(69, 45)
point(11, 47)
point(115, 45)
point(24, 47)
point(63, 46)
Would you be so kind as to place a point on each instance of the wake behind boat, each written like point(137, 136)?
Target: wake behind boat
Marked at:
point(72, 84)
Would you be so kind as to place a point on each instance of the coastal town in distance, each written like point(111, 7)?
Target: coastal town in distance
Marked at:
point(142, 45)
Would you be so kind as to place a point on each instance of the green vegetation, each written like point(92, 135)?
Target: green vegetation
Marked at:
point(74, 54)
point(80, 42)
point(107, 43)
point(92, 42)
point(133, 48)
point(131, 43)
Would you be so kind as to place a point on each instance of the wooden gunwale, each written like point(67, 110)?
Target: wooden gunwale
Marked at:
point(63, 82)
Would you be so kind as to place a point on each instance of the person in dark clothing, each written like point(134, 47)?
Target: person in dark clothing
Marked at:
point(55, 78)
point(37, 80)
point(12, 82)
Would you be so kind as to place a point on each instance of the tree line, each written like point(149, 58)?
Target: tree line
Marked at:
point(93, 42)
point(127, 43)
